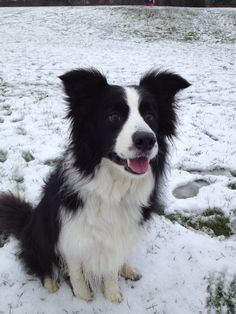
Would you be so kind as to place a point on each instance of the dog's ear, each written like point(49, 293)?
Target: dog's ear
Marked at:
point(163, 86)
point(82, 83)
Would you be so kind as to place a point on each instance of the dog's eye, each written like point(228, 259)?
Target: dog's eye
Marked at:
point(114, 118)
point(148, 117)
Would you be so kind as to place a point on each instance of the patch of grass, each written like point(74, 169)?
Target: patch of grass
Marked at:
point(40, 95)
point(191, 36)
point(212, 221)
point(221, 294)
point(232, 186)
point(172, 30)
point(159, 209)
point(184, 25)
point(212, 211)
point(51, 162)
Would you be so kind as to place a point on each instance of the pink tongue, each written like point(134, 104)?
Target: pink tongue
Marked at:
point(139, 165)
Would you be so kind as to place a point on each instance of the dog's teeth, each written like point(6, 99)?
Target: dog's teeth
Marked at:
point(128, 162)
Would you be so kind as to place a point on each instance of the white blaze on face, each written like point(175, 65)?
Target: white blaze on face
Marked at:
point(124, 144)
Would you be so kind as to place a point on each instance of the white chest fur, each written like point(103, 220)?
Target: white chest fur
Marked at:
point(100, 235)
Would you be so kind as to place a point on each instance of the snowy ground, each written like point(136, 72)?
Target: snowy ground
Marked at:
point(184, 270)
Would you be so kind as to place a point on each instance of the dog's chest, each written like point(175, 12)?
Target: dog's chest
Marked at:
point(101, 234)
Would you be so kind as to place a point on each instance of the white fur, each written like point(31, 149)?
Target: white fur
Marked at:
point(111, 288)
point(101, 234)
point(124, 144)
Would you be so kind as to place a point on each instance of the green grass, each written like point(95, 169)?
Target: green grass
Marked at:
point(51, 162)
point(212, 221)
point(232, 186)
point(184, 25)
point(191, 36)
point(221, 294)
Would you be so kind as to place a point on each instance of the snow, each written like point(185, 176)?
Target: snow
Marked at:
point(38, 45)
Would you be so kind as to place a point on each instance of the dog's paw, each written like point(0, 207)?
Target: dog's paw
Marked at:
point(84, 293)
point(130, 273)
point(50, 284)
point(114, 296)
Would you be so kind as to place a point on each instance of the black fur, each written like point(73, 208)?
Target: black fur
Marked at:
point(90, 100)
point(15, 214)
point(163, 86)
point(159, 90)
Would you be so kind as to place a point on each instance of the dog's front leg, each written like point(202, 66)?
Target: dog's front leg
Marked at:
point(50, 284)
point(80, 286)
point(112, 290)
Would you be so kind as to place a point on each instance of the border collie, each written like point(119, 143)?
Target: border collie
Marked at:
point(96, 201)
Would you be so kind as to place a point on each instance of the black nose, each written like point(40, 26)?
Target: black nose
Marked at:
point(143, 141)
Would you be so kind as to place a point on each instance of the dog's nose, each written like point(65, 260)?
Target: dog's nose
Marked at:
point(143, 141)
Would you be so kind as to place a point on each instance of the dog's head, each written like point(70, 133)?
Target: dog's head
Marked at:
point(122, 124)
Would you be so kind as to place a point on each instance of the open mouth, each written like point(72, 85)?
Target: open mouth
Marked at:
point(137, 165)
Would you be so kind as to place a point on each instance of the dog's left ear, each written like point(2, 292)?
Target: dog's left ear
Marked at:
point(82, 83)
point(163, 86)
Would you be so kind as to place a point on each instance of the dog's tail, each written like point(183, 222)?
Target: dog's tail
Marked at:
point(15, 214)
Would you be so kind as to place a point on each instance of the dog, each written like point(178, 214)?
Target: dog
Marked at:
point(96, 202)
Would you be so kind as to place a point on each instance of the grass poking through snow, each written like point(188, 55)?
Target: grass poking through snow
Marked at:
point(212, 221)
point(221, 294)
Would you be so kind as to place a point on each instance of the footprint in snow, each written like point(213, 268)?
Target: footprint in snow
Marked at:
point(20, 131)
point(7, 112)
point(3, 155)
point(17, 119)
point(190, 189)
point(27, 156)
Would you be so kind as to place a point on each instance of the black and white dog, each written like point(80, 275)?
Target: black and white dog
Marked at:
point(96, 202)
